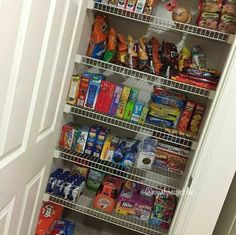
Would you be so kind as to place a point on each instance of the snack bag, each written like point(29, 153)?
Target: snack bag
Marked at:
point(111, 49)
point(94, 179)
point(208, 20)
point(73, 93)
point(122, 56)
point(132, 51)
point(199, 57)
point(157, 65)
point(142, 55)
point(227, 24)
point(169, 57)
point(185, 58)
point(210, 5)
point(98, 39)
point(229, 8)
point(149, 6)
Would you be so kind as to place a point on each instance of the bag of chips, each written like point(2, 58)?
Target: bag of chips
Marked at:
point(122, 56)
point(111, 46)
point(133, 52)
point(142, 55)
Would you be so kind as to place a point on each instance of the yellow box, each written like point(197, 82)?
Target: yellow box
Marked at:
point(123, 101)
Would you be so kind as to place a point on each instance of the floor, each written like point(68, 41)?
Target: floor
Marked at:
point(86, 225)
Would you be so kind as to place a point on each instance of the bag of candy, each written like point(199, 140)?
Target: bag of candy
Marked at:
point(210, 5)
point(98, 39)
point(122, 56)
point(149, 6)
point(185, 58)
point(227, 24)
point(198, 57)
point(111, 46)
point(208, 20)
point(156, 46)
point(229, 7)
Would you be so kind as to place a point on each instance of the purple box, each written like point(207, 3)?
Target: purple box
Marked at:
point(115, 100)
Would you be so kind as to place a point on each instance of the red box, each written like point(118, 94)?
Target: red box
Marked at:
point(49, 213)
point(105, 96)
point(186, 117)
point(83, 88)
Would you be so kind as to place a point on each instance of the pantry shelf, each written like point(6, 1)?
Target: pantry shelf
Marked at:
point(84, 206)
point(146, 129)
point(155, 80)
point(159, 179)
point(163, 23)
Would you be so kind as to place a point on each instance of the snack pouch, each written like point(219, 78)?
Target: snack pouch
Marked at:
point(185, 58)
point(208, 20)
point(156, 46)
point(142, 55)
point(111, 49)
point(227, 24)
point(132, 52)
point(199, 57)
point(94, 179)
point(98, 39)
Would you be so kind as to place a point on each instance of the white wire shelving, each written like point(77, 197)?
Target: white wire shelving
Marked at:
point(158, 179)
point(147, 77)
point(84, 206)
point(163, 23)
point(146, 129)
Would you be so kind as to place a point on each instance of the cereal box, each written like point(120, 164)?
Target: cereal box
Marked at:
point(73, 93)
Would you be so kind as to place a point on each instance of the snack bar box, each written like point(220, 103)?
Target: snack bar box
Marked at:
point(43, 44)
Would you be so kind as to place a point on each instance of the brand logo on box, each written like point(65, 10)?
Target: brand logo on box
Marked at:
point(127, 204)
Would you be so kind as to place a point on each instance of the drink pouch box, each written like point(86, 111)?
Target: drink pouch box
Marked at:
point(140, 6)
point(172, 149)
point(169, 161)
point(73, 93)
point(94, 179)
point(101, 137)
point(186, 117)
point(81, 139)
point(168, 101)
point(133, 96)
point(123, 101)
point(68, 133)
point(128, 110)
point(130, 5)
point(105, 96)
point(91, 140)
point(49, 213)
point(126, 203)
point(83, 88)
point(196, 120)
point(137, 111)
point(121, 4)
point(93, 90)
point(115, 100)
point(168, 94)
point(143, 115)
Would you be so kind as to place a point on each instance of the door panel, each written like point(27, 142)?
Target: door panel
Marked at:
point(36, 66)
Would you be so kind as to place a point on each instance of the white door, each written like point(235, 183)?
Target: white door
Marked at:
point(38, 44)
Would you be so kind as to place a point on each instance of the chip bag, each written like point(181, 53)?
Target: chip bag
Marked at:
point(149, 6)
point(132, 51)
point(98, 39)
point(185, 58)
point(157, 65)
point(122, 57)
point(143, 56)
point(210, 5)
point(111, 46)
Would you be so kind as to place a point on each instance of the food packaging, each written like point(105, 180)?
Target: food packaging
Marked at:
point(73, 93)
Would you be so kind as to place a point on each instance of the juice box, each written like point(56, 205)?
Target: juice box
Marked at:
point(122, 103)
point(73, 93)
point(115, 100)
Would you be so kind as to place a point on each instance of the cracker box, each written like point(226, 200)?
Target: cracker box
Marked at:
point(186, 117)
point(122, 103)
point(137, 111)
point(196, 120)
point(80, 139)
point(105, 96)
point(73, 93)
point(143, 115)
point(115, 100)
point(93, 90)
point(126, 203)
point(140, 6)
point(168, 94)
point(130, 5)
point(49, 213)
point(172, 149)
point(83, 87)
point(170, 162)
point(91, 140)
point(68, 132)
point(121, 4)
point(101, 137)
